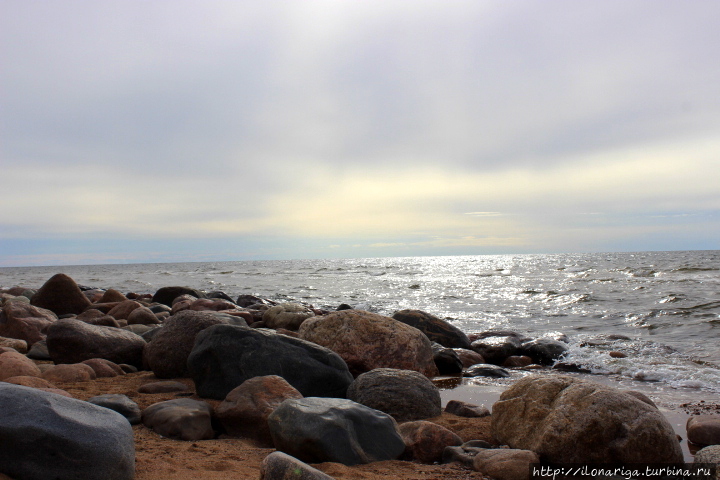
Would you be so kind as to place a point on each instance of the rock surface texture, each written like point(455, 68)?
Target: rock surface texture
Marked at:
point(182, 419)
point(436, 329)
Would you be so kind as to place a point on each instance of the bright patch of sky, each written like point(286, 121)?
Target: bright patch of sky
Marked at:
point(135, 131)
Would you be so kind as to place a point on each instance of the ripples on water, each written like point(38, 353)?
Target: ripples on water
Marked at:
point(668, 303)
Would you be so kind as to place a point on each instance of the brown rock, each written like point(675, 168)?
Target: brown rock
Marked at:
point(425, 441)
point(163, 387)
point(13, 364)
point(505, 463)
point(704, 429)
point(182, 418)
point(25, 322)
point(104, 368)
point(57, 391)
point(245, 410)
point(91, 314)
point(288, 316)
point(142, 316)
point(18, 345)
point(617, 354)
point(111, 296)
point(517, 361)
point(61, 295)
point(66, 373)
point(27, 381)
point(468, 410)
point(367, 341)
point(212, 305)
point(123, 309)
point(469, 357)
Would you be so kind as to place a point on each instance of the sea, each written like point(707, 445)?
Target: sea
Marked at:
point(667, 304)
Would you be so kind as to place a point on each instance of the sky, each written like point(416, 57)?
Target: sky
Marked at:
point(175, 130)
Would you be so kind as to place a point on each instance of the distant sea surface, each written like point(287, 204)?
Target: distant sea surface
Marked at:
point(667, 303)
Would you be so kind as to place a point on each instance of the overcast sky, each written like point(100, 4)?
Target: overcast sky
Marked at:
point(176, 130)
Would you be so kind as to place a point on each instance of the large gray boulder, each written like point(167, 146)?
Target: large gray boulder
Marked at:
point(436, 329)
point(224, 356)
point(403, 394)
point(319, 430)
point(73, 341)
point(48, 436)
point(568, 420)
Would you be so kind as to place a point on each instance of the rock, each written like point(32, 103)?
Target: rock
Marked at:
point(65, 373)
point(166, 295)
point(517, 361)
point(403, 394)
point(286, 315)
point(28, 381)
point(704, 429)
point(640, 396)
point(123, 309)
point(486, 370)
point(61, 295)
point(121, 404)
point(224, 356)
point(249, 300)
point(464, 454)
point(62, 438)
point(709, 455)
point(72, 341)
point(14, 364)
point(104, 368)
point(163, 387)
point(181, 419)
point(112, 296)
point(142, 316)
point(446, 360)
point(212, 305)
point(18, 345)
point(167, 354)
point(39, 351)
point(220, 295)
point(544, 351)
point(425, 441)
point(468, 410)
point(319, 430)
point(495, 349)
point(437, 330)
point(25, 322)
point(367, 341)
point(469, 357)
point(615, 354)
point(281, 466)
point(245, 410)
point(568, 420)
point(505, 464)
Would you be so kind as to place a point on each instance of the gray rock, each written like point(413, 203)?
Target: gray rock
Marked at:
point(404, 394)
point(72, 341)
point(121, 404)
point(468, 410)
point(163, 387)
point(495, 349)
point(281, 466)
point(181, 418)
point(166, 295)
point(486, 370)
point(505, 463)
point(446, 360)
point(709, 456)
point(319, 430)
point(39, 351)
point(224, 356)
point(48, 436)
point(544, 351)
point(436, 329)
point(465, 453)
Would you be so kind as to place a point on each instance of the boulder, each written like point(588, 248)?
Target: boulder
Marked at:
point(709, 455)
point(112, 296)
point(250, 300)
point(517, 361)
point(14, 364)
point(45, 435)
point(123, 309)
point(25, 322)
point(164, 387)
point(367, 341)
point(224, 356)
point(18, 345)
point(486, 370)
point(166, 295)
point(468, 410)
point(72, 341)
point(544, 351)
point(104, 368)
point(568, 420)
point(437, 330)
point(61, 295)
point(167, 353)
point(281, 466)
point(468, 357)
point(403, 394)
point(142, 316)
point(286, 315)
point(66, 373)
point(181, 419)
point(446, 360)
point(212, 305)
point(704, 429)
point(39, 351)
point(495, 349)
point(319, 430)
point(425, 441)
point(121, 404)
point(245, 410)
point(505, 463)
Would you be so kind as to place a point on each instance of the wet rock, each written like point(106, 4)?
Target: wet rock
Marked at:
point(25, 322)
point(286, 315)
point(167, 353)
point(221, 295)
point(181, 419)
point(446, 360)
point(436, 329)
point(469, 357)
point(319, 430)
point(704, 429)
point(163, 387)
point(281, 466)
point(142, 316)
point(166, 295)
point(544, 351)
point(496, 349)
point(615, 354)
point(367, 341)
point(104, 368)
point(224, 356)
point(250, 300)
point(61, 295)
point(571, 367)
point(505, 464)
point(469, 410)
point(486, 370)
point(63, 438)
point(69, 373)
point(72, 341)
point(404, 394)
point(13, 364)
point(425, 441)
point(122, 404)
point(567, 420)
point(245, 410)
point(18, 345)
point(517, 361)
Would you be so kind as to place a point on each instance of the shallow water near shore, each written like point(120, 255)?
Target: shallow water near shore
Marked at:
point(667, 304)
